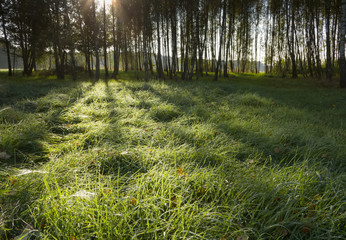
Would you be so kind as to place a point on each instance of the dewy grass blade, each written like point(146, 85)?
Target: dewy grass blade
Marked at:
point(236, 159)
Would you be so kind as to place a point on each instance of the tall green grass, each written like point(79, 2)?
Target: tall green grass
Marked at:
point(244, 158)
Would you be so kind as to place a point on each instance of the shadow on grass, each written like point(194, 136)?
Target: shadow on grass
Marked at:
point(182, 110)
point(30, 116)
point(206, 103)
point(119, 162)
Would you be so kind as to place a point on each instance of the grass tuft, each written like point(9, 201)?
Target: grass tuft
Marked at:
point(244, 158)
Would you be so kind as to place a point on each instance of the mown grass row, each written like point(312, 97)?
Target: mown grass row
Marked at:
point(245, 158)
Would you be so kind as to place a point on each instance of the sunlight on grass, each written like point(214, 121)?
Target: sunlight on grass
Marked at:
point(126, 159)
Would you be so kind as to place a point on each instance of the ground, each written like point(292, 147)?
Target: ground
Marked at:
point(249, 157)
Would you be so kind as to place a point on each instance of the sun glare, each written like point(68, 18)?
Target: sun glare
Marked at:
point(100, 2)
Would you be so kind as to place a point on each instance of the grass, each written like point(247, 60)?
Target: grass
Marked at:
point(250, 157)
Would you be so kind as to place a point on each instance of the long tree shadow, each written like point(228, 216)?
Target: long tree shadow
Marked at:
point(203, 104)
point(28, 135)
point(120, 160)
point(183, 110)
point(34, 114)
point(326, 103)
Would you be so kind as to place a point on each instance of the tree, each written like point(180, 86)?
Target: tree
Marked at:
point(3, 13)
point(173, 16)
point(290, 25)
point(105, 38)
point(329, 61)
point(71, 36)
point(218, 65)
point(342, 61)
point(212, 35)
point(96, 42)
point(158, 8)
point(56, 38)
point(28, 24)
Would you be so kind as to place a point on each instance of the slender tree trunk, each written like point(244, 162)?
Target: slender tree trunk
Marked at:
point(329, 62)
point(160, 73)
point(290, 41)
point(146, 68)
point(225, 71)
point(70, 42)
point(246, 44)
point(212, 45)
point(218, 65)
point(266, 42)
point(206, 67)
point(145, 41)
point(334, 38)
point(96, 47)
point(232, 20)
point(342, 61)
point(165, 48)
point(317, 44)
point(168, 49)
point(84, 40)
point(129, 44)
point(14, 61)
point(256, 37)
point(118, 45)
point(89, 58)
point(195, 44)
point(105, 38)
point(182, 46)
point(140, 51)
point(186, 60)
point(279, 45)
point(272, 43)
point(309, 55)
point(114, 74)
point(293, 57)
point(58, 53)
point(7, 43)
point(126, 59)
point(202, 46)
point(150, 56)
point(136, 57)
point(174, 41)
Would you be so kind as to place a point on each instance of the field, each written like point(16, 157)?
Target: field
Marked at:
point(249, 157)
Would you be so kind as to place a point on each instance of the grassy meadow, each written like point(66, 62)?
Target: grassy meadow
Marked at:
point(249, 157)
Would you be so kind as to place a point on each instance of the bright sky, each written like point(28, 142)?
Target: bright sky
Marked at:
point(100, 2)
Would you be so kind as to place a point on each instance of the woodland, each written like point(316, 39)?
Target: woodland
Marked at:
point(165, 37)
point(172, 119)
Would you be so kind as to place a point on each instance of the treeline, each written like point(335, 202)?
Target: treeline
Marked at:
point(164, 37)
